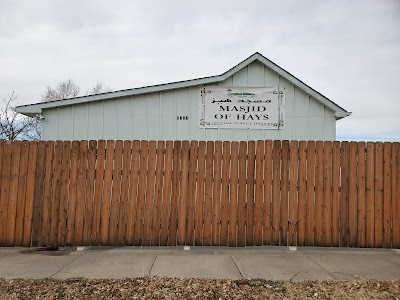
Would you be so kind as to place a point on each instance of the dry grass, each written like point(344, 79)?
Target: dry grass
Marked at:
point(172, 288)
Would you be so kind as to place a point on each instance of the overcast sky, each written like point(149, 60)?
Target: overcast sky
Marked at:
point(347, 50)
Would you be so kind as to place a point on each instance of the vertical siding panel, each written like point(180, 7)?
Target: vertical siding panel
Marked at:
point(81, 192)
point(182, 109)
point(110, 119)
point(47, 193)
point(55, 208)
point(242, 207)
point(225, 193)
point(80, 121)
point(200, 195)
point(353, 195)
point(124, 118)
point(227, 82)
point(98, 192)
point(138, 234)
point(30, 192)
point(155, 235)
point(319, 195)
point(256, 74)
point(378, 195)
point(271, 78)
point(344, 205)
point(192, 193)
point(300, 120)
point(241, 77)
point(284, 193)
point(288, 132)
point(259, 194)
point(166, 194)
point(38, 196)
point(182, 214)
point(396, 194)
point(387, 151)
point(95, 121)
point(369, 195)
point(132, 197)
point(105, 207)
point(216, 209)
point(268, 190)
point(13, 194)
point(22, 174)
point(293, 213)
point(250, 193)
point(310, 193)
point(361, 195)
point(115, 194)
point(64, 184)
point(151, 174)
point(233, 214)
point(276, 199)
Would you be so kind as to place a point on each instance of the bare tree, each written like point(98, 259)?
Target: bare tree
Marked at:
point(14, 126)
point(64, 90)
point(99, 88)
point(69, 89)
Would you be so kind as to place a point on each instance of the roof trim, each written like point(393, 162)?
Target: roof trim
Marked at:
point(33, 109)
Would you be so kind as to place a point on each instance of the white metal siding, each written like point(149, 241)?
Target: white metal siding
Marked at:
point(153, 116)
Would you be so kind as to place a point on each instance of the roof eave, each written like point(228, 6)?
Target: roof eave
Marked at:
point(341, 116)
point(29, 111)
point(37, 107)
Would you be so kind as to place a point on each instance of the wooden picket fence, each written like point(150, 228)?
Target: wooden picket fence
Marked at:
point(200, 193)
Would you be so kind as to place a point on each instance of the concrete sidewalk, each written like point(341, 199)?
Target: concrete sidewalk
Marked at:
point(275, 263)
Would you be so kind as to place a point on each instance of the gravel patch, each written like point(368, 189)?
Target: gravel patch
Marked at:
point(153, 287)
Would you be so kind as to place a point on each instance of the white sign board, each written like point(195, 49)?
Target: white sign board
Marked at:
point(234, 107)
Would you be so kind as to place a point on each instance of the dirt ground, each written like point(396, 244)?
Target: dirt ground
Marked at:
point(172, 288)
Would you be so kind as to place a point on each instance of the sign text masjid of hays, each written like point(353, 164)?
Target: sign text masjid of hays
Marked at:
point(254, 108)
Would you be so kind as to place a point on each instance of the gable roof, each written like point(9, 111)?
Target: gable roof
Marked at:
point(33, 109)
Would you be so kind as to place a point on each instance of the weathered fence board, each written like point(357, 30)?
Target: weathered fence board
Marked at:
point(226, 157)
point(233, 215)
point(249, 225)
point(267, 216)
point(361, 196)
point(216, 204)
point(276, 192)
point(258, 197)
point(310, 193)
point(353, 195)
point(207, 217)
point(200, 193)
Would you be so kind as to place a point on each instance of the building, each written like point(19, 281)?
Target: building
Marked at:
point(256, 99)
